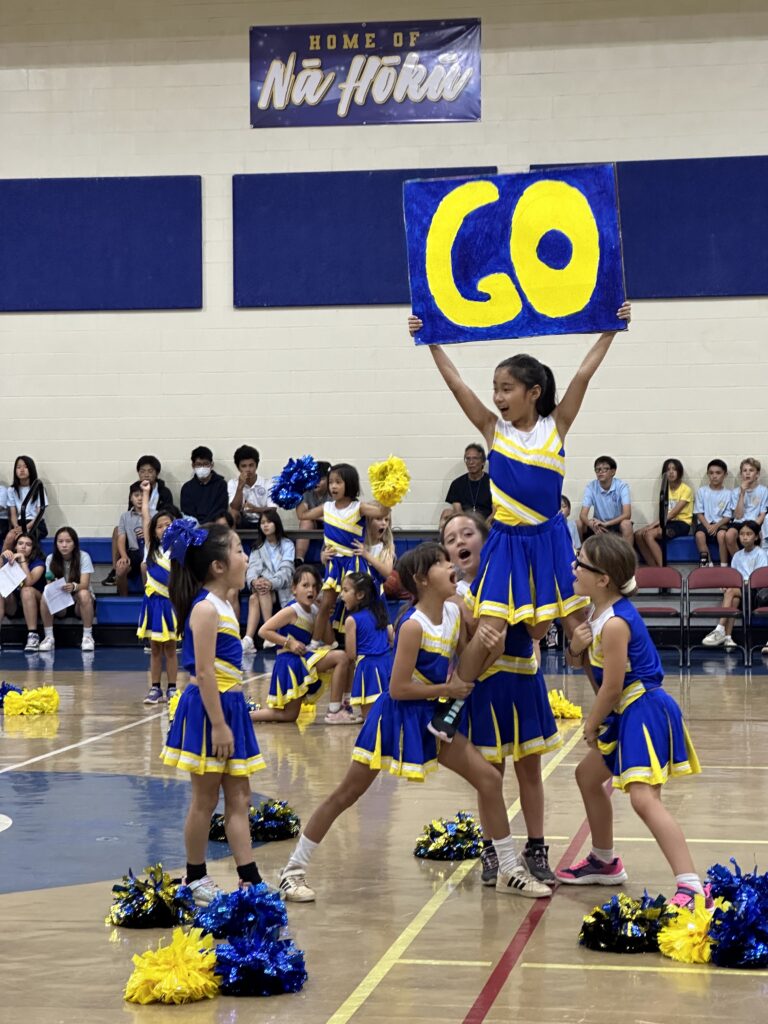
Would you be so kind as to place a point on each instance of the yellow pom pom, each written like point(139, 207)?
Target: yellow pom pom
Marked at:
point(390, 481)
point(561, 706)
point(685, 937)
point(42, 701)
point(179, 973)
point(173, 703)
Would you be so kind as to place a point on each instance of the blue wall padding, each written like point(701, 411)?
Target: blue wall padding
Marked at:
point(324, 239)
point(694, 227)
point(101, 243)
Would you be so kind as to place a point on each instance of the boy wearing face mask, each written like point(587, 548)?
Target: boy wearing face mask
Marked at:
point(204, 497)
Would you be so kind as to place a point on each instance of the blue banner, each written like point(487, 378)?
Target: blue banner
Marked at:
point(516, 255)
point(365, 73)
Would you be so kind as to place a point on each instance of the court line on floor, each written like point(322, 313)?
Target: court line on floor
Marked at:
point(446, 963)
point(82, 743)
point(660, 969)
point(706, 766)
point(708, 840)
point(413, 929)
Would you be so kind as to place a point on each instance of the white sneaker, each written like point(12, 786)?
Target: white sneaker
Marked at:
point(730, 644)
point(204, 891)
point(268, 645)
point(716, 638)
point(87, 644)
point(519, 882)
point(33, 644)
point(294, 889)
point(248, 645)
point(47, 644)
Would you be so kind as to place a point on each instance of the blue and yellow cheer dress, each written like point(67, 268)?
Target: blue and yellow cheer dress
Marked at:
point(188, 745)
point(525, 565)
point(295, 676)
point(508, 712)
point(395, 735)
point(158, 619)
point(342, 527)
point(645, 739)
point(373, 664)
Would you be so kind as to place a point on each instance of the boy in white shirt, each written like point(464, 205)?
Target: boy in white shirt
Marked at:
point(248, 493)
point(750, 557)
point(712, 510)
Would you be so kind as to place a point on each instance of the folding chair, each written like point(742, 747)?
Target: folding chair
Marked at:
point(715, 578)
point(758, 615)
point(662, 578)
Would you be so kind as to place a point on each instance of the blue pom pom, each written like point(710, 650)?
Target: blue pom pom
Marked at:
point(740, 931)
point(256, 909)
point(182, 535)
point(260, 966)
point(5, 689)
point(296, 477)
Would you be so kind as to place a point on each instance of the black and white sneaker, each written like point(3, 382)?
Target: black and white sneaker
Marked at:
point(444, 724)
point(110, 580)
point(536, 859)
point(704, 561)
point(490, 864)
point(519, 882)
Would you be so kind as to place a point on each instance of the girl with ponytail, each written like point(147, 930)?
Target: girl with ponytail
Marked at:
point(524, 573)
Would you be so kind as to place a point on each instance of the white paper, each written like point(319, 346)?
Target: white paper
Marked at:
point(11, 575)
point(57, 598)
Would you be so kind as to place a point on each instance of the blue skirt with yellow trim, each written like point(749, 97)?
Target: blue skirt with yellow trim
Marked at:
point(508, 715)
point(371, 678)
point(340, 566)
point(157, 620)
point(526, 574)
point(188, 744)
point(295, 677)
point(648, 742)
point(395, 738)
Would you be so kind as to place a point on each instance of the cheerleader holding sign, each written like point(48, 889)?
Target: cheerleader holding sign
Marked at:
point(525, 565)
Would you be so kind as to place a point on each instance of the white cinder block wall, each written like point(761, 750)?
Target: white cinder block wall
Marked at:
point(161, 87)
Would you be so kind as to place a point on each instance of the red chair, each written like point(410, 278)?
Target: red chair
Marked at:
point(658, 578)
point(715, 578)
point(758, 615)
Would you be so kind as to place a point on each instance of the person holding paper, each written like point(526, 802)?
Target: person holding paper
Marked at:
point(70, 571)
point(23, 569)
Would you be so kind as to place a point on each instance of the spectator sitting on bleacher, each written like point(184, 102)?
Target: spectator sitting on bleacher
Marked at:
point(26, 554)
point(565, 508)
point(148, 468)
point(749, 502)
point(471, 492)
point(751, 557)
point(4, 523)
point(312, 499)
point(24, 475)
point(679, 514)
point(130, 541)
point(69, 563)
point(609, 501)
point(269, 575)
point(712, 509)
point(204, 497)
point(248, 493)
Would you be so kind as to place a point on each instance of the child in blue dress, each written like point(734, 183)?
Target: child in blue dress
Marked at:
point(366, 639)
point(635, 729)
point(395, 735)
point(157, 621)
point(211, 735)
point(344, 527)
point(524, 573)
point(296, 675)
point(507, 715)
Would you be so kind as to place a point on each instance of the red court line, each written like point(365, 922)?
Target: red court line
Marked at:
point(510, 956)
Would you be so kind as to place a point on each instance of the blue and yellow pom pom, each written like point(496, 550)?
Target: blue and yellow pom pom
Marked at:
point(460, 838)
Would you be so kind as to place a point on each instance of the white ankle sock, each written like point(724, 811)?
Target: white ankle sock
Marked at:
point(606, 856)
point(334, 706)
point(87, 631)
point(506, 851)
point(49, 632)
point(691, 882)
point(301, 856)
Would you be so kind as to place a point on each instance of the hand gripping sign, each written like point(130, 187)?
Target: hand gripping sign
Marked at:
point(515, 255)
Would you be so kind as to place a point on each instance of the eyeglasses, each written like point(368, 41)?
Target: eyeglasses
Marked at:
point(590, 568)
point(474, 458)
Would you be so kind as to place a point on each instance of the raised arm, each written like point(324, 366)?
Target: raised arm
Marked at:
point(146, 519)
point(302, 512)
point(568, 409)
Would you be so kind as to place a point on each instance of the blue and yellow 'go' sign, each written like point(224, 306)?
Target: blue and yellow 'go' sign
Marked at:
point(517, 255)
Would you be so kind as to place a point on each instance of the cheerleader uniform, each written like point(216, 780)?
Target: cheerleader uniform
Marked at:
point(508, 712)
point(645, 739)
point(158, 619)
point(295, 676)
point(373, 665)
point(188, 745)
point(340, 609)
point(395, 735)
point(342, 527)
point(525, 565)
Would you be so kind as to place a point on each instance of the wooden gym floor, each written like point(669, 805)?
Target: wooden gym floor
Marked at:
point(390, 938)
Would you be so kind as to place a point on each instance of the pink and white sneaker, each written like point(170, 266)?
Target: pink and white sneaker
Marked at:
point(592, 871)
point(686, 897)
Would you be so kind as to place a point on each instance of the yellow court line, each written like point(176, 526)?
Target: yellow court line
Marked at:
point(720, 971)
point(706, 766)
point(708, 840)
point(448, 963)
point(380, 970)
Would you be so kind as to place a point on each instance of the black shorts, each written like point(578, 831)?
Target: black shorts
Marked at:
point(135, 557)
point(614, 528)
point(677, 529)
point(699, 528)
